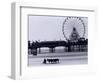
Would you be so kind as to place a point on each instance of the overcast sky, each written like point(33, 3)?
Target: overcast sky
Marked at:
point(47, 28)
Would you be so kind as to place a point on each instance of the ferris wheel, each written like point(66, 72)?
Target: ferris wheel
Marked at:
point(71, 23)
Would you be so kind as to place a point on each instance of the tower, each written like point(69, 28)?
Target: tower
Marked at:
point(74, 35)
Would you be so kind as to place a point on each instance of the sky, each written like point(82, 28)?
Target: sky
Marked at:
point(49, 28)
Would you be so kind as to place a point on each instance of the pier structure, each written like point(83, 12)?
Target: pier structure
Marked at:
point(74, 44)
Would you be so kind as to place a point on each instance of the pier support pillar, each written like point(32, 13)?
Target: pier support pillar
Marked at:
point(39, 50)
point(51, 50)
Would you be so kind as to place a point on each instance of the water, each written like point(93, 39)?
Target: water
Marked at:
point(65, 58)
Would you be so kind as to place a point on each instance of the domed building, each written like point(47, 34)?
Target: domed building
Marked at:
point(77, 43)
point(74, 35)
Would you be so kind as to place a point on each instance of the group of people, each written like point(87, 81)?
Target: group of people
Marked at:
point(51, 61)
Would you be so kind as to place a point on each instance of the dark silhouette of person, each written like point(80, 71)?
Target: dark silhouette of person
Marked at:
point(44, 61)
